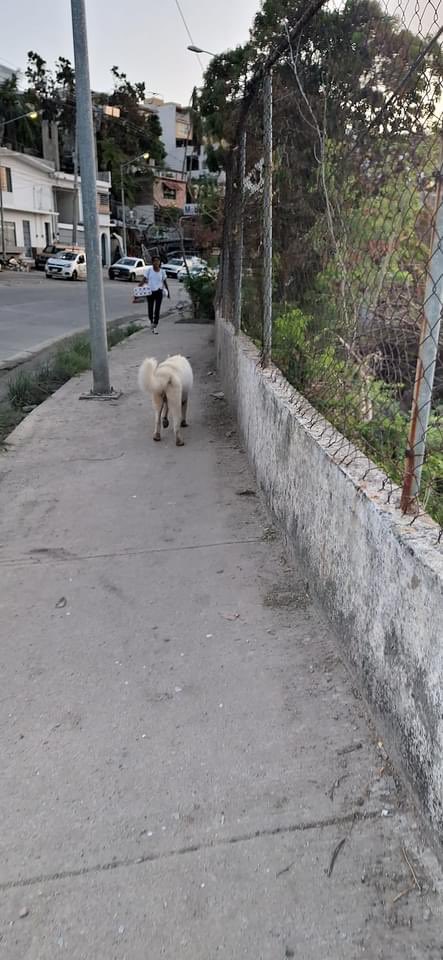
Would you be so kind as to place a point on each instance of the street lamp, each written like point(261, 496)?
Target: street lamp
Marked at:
point(194, 49)
point(32, 114)
point(127, 163)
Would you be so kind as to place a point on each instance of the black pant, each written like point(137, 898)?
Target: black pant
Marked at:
point(154, 304)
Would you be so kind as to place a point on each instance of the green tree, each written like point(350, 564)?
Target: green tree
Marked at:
point(52, 93)
point(354, 57)
point(134, 132)
point(23, 134)
point(224, 86)
point(349, 63)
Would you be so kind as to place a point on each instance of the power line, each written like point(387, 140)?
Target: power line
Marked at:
point(9, 63)
point(124, 122)
point(188, 32)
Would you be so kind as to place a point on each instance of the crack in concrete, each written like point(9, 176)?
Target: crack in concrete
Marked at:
point(60, 555)
point(117, 456)
point(347, 818)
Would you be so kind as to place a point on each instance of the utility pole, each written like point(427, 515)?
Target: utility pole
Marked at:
point(2, 215)
point(123, 202)
point(75, 199)
point(87, 156)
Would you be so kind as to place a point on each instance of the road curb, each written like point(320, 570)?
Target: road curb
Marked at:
point(54, 342)
point(26, 426)
point(27, 356)
point(30, 359)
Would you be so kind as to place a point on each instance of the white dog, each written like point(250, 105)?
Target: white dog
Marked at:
point(170, 384)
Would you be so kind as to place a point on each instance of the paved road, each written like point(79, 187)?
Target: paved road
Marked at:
point(186, 770)
point(34, 309)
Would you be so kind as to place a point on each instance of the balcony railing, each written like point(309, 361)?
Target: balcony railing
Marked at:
point(170, 175)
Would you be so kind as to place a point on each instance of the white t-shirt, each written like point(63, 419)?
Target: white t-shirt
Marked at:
point(155, 278)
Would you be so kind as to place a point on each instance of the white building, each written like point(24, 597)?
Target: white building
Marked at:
point(177, 136)
point(38, 205)
point(7, 73)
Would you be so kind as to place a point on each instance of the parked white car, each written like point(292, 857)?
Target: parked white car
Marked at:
point(128, 268)
point(174, 265)
point(69, 265)
point(197, 268)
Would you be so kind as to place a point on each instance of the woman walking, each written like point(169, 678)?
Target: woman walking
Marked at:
point(157, 283)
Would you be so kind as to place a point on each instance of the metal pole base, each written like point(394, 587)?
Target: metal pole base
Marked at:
point(113, 395)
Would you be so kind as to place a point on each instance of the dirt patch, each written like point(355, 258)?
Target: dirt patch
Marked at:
point(284, 598)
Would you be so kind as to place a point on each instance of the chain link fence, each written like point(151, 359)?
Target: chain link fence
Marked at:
point(332, 257)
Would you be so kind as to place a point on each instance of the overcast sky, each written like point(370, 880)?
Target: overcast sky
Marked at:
point(144, 38)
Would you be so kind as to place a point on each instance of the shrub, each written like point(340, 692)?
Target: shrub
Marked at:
point(290, 349)
point(30, 389)
point(202, 291)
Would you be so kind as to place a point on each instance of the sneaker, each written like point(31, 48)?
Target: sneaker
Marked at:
point(155, 330)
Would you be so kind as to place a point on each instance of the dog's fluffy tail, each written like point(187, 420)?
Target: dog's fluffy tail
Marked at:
point(147, 380)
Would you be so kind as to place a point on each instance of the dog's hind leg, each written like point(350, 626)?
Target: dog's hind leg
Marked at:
point(175, 406)
point(184, 410)
point(165, 412)
point(158, 406)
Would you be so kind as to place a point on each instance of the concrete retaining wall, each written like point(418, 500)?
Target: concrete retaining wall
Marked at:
point(379, 579)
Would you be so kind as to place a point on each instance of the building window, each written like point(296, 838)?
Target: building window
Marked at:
point(6, 179)
point(10, 236)
point(181, 142)
point(192, 163)
point(103, 202)
point(183, 124)
point(48, 237)
point(169, 193)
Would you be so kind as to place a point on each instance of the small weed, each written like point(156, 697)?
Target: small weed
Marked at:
point(279, 598)
point(69, 363)
point(30, 389)
point(269, 534)
point(117, 334)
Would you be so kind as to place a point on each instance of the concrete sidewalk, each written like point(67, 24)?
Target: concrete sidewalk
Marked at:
point(187, 770)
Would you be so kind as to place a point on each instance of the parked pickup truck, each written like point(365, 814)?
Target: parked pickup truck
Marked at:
point(69, 265)
point(52, 250)
point(127, 268)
